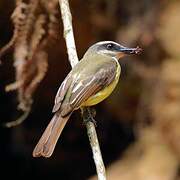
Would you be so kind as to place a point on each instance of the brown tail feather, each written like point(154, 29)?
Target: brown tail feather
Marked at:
point(47, 142)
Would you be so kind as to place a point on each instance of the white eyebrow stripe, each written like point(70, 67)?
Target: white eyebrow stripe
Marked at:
point(106, 42)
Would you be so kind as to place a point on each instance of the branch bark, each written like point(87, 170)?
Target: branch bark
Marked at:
point(73, 59)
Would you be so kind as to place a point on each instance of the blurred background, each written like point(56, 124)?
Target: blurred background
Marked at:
point(138, 125)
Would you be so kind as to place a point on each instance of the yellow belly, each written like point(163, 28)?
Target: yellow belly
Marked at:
point(103, 94)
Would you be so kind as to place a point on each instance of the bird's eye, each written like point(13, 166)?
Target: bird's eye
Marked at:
point(109, 46)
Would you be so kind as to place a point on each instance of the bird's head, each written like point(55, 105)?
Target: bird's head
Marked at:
point(112, 49)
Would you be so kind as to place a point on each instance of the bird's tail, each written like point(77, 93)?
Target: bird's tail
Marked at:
point(47, 142)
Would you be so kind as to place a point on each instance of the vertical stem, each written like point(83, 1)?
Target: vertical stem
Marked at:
point(73, 59)
point(91, 131)
point(68, 32)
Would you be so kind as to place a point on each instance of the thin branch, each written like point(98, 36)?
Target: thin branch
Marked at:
point(68, 32)
point(88, 118)
point(73, 59)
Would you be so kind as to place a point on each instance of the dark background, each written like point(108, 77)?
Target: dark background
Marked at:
point(142, 112)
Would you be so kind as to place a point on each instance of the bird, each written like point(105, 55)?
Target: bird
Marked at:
point(89, 82)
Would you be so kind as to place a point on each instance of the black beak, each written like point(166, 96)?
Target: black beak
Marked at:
point(126, 50)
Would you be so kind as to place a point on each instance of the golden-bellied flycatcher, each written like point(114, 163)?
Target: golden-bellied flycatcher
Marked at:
point(88, 83)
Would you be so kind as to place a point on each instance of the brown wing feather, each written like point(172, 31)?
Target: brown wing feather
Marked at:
point(93, 85)
point(82, 88)
point(62, 92)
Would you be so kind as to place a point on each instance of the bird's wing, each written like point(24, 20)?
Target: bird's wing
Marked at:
point(89, 86)
point(62, 92)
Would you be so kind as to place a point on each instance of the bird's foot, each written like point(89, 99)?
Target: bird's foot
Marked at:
point(88, 115)
point(90, 119)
